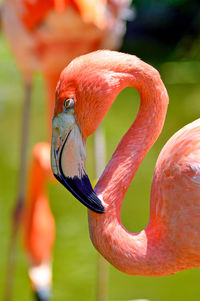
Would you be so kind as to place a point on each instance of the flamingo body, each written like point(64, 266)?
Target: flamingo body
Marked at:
point(39, 225)
point(170, 242)
point(49, 34)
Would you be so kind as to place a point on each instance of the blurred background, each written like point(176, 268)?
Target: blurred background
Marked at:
point(166, 34)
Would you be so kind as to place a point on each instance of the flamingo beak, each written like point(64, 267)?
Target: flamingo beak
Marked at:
point(40, 277)
point(43, 294)
point(68, 155)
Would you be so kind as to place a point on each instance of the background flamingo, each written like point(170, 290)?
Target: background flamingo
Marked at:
point(46, 36)
point(170, 241)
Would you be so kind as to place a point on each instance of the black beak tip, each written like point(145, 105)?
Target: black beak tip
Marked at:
point(93, 203)
point(42, 294)
point(83, 191)
point(99, 210)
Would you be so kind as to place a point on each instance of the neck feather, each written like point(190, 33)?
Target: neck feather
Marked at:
point(142, 134)
point(127, 251)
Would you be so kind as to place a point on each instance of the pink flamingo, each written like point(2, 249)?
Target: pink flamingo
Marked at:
point(45, 36)
point(85, 92)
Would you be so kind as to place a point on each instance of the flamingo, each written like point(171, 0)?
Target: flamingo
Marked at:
point(87, 88)
point(45, 36)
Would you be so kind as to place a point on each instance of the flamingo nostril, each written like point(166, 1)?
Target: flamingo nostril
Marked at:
point(56, 129)
point(58, 146)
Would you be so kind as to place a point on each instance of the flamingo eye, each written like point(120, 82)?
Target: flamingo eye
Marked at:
point(68, 103)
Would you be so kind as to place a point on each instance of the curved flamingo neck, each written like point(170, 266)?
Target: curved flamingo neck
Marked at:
point(128, 251)
point(140, 137)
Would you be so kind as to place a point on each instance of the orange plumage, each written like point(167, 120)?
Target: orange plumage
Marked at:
point(170, 242)
point(38, 220)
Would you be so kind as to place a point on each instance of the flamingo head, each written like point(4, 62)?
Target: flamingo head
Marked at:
point(85, 92)
point(83, 96)
point(43, 294)
point(68, 156)
point(40, 278)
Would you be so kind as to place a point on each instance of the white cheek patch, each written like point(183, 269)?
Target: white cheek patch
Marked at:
point(73, 155)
